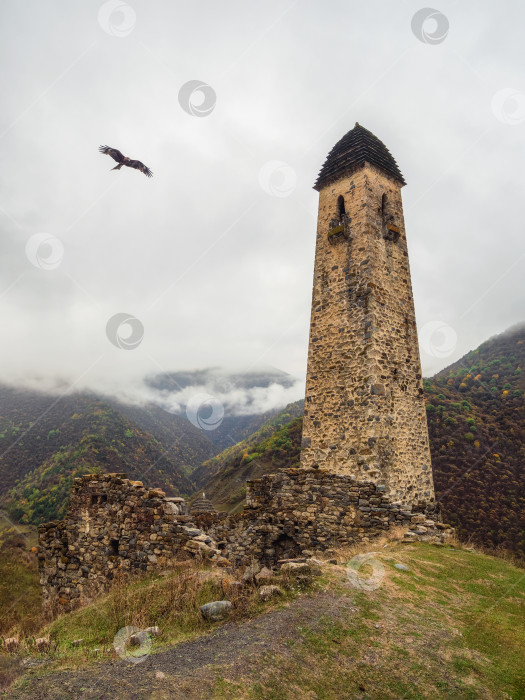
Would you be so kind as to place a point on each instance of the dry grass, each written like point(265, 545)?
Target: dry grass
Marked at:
point(392, 536)
point(170, 601)
point(448, 626)
point(20, 593)
point(499, 552)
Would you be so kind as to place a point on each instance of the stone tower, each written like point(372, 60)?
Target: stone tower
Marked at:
point(364, 407)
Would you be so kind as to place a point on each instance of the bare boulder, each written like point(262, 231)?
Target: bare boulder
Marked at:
point(215, 611)
point(267, 592)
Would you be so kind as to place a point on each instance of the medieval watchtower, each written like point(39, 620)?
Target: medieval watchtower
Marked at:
point(364, 407)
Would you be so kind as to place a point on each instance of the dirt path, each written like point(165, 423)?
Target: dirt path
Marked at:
point(190, 669)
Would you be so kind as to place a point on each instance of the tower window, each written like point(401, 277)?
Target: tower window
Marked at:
point(390, 231)
point(341, 207)
point(98, 498)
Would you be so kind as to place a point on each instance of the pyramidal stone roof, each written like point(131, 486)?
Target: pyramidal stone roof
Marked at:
point(202, 505)
point(357, 147)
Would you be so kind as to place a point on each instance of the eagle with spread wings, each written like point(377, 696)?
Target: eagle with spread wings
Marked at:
point(124, 160)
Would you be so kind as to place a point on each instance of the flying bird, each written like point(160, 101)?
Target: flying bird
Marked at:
point(124, 160)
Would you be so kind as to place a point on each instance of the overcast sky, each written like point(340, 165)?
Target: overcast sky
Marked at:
point(214, 254)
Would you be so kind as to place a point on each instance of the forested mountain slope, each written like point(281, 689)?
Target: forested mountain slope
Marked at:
point(475, 412)
point(45, 441)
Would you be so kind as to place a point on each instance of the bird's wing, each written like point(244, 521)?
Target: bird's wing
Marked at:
point(113, 152)
point(140, 166)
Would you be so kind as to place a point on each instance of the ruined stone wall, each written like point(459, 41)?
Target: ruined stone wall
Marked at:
point(301, 511)
point(364, 406)
point(113, 526)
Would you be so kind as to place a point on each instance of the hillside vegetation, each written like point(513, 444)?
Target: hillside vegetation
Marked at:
point(47, 440)
point(476, 414)
point(45, 443)
point(20, 590)
point(269, 448)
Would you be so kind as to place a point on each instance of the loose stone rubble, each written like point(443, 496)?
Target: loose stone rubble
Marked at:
point(217, 610)
point(267, 592)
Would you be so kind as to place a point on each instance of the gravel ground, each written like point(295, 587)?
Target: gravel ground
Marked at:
point(189, 669)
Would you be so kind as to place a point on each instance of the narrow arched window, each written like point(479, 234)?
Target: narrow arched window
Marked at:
point(341, 207)
point(383, 205)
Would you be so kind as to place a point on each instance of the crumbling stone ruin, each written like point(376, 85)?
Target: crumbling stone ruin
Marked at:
point(365, 462)
point(113, 527)
point(300, 512)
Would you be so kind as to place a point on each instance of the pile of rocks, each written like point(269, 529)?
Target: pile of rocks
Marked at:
point(423, 529)
point(270, 583)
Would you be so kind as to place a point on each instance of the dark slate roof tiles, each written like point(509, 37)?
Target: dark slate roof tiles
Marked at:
point(357, 147)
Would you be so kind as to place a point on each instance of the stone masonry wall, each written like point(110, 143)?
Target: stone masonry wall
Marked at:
point(364, 406)
point(300, 511)
point(113, 526)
